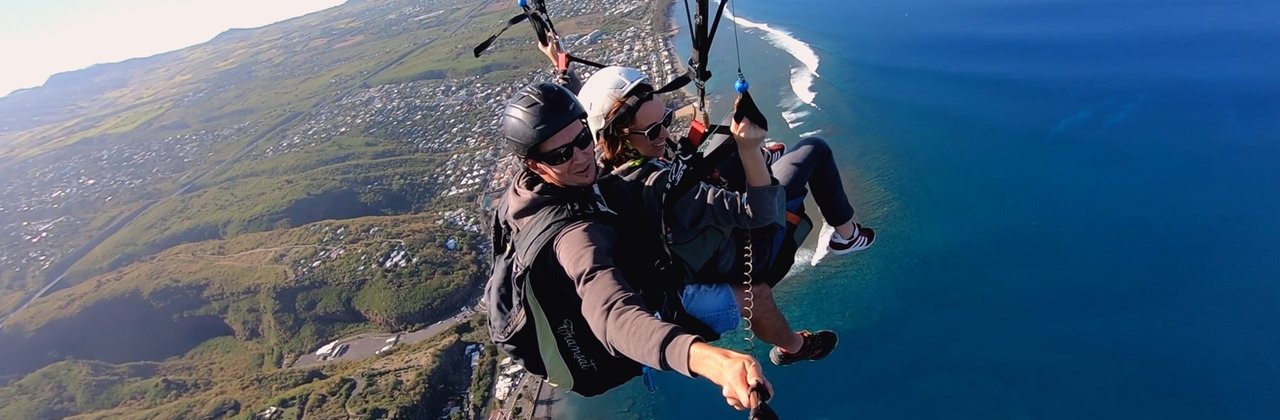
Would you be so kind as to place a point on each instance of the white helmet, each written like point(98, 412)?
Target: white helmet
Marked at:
point(605, 89)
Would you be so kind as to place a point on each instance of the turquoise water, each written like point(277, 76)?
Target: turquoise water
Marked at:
point(1077, 203)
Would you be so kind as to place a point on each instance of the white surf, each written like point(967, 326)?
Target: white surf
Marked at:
point(801, 77)
point(824, 237)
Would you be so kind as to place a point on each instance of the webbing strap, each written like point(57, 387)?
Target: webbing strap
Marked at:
point(558, 373)
point(487, 42)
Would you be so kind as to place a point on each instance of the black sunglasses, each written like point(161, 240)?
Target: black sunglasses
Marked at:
point(654, 130)
point(563, 153)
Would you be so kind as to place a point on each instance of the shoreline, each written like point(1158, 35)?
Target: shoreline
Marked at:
point(684, 101)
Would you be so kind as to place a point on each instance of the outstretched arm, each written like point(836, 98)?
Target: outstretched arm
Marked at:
point(614, 311)
point(619, 318)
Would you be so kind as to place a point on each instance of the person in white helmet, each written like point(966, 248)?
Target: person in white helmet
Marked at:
point(579, 307)
point(630, 127)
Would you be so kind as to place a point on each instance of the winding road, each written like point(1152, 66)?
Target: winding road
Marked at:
point(366, 345)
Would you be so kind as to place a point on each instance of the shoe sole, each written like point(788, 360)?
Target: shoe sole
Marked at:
point(851, 249)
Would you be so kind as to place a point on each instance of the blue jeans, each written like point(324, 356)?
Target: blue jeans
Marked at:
point(713, 304)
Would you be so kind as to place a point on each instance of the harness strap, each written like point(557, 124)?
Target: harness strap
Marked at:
point(487, 42)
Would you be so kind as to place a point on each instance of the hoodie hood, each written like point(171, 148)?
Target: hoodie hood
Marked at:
point(529, 193)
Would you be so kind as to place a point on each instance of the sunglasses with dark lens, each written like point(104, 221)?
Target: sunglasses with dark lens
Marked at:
point(563, 153)
point(653, 131)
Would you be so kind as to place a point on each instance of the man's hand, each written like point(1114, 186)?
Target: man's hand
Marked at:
point(734, 372)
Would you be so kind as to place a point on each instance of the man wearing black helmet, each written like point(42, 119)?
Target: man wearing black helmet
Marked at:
point(543, 125)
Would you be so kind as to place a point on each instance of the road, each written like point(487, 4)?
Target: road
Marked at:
point(366, 345)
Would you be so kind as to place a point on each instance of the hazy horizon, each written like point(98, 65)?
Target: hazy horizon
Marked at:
point(41, 39)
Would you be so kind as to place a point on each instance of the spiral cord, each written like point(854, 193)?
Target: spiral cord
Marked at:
point(749, 296)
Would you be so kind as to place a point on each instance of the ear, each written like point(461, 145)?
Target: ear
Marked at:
point(537, 167)
point(601, 144)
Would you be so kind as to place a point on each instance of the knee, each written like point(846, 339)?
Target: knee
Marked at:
point(762, 292)
point(816, 144)
point(761, 300)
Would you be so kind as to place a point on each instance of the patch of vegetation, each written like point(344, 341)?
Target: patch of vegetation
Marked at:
point(243, 256)
point(275, 302)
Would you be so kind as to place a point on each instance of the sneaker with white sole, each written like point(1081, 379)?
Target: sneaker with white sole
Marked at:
point(816, 347)
point(862, 239)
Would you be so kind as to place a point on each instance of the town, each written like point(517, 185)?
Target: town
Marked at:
point(56, 201)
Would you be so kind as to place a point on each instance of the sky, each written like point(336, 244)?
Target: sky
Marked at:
point(39, 38)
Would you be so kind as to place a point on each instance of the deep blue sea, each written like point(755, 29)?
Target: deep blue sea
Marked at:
point(1078, 204)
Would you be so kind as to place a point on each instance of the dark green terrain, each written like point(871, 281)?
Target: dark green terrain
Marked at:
point(217, 211)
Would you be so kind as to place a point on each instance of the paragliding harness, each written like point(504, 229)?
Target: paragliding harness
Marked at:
point(535, 317)
point(644, 254)
point(535, 312)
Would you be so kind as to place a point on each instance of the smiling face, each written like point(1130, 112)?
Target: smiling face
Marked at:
point(580, 168)
point(649, 120)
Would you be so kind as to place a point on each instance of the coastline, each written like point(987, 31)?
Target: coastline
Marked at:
point(684, 100)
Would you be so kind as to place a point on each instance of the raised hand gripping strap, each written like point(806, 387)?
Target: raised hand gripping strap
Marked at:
point(747, 109)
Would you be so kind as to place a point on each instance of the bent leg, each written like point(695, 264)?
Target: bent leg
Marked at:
point(767, 322)
point(811, 163)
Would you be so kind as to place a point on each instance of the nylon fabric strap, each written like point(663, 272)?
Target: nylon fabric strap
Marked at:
point(747, 109)
point(576, 59)
point(558, 373)
point(715, 24)
point(553, 221)
point(510, 22)
point(674, 85)
point(688, 171)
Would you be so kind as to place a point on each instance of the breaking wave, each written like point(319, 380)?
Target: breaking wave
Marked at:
point(801, 77)
point(793, 117)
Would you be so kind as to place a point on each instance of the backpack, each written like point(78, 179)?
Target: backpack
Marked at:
point(535, 317)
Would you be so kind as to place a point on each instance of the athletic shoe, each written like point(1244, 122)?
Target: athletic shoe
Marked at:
point(816, 346)
point(772, 152)
point(862, 239)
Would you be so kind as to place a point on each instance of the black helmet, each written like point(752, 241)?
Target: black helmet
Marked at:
point(536, 113)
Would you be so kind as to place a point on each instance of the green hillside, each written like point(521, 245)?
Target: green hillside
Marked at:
point(223, 310)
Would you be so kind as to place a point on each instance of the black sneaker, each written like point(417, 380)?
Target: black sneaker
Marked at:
point(816, 346)
point(862, 239)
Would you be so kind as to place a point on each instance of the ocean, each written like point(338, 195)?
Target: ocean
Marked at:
point(1078, 208)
